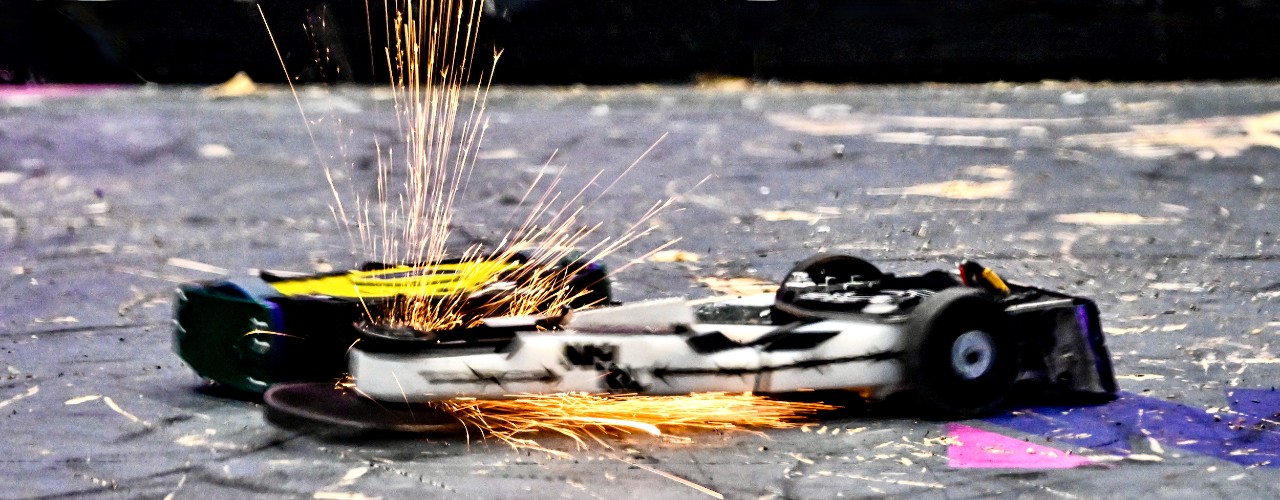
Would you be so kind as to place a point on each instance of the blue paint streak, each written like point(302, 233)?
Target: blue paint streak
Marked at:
point(1117, 426)
point(1261, 403)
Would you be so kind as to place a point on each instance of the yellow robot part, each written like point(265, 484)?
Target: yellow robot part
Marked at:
point(412, 281)
point(995, 281)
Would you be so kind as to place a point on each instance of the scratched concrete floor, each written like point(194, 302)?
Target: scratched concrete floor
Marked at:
point(1157, 200)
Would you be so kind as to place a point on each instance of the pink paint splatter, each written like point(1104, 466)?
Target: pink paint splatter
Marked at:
point(978, 449)
point(35, 92)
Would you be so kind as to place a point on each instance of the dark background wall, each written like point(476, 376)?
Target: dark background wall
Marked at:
point(617, 41)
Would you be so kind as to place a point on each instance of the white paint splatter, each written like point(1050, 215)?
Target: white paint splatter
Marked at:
point(215, 151)
point(863, 124)
point(82, 399)
point(339, 495)
point(30, 392)
point(499, 154)
point(1141, 376)
point(998, 172)
point(1178, 287)
point(351, 476)
point(916, 138)
point(972, 141)
point(1070, 98)
point(1113, 219)
point(195, 266)
point(1117, 331)
point(204, 440)
point(116, 408)
point(60, 320)
point(922, 484)
point(790, 215)
point(828, 111)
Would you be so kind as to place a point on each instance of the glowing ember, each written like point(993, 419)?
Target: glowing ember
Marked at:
point(589, 417)
point(430, 48)
point(430, 44)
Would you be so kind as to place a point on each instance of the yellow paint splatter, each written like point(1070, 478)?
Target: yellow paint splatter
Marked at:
point(956, 190)
point(1226, 136)
point(740, 287)
point(943, 441)
point(674, 256)
point(238, 86)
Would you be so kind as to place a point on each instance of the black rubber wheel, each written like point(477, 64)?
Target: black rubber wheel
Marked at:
point(837, 267)
point(962, 357)
point(321, 406)
point(821, 268)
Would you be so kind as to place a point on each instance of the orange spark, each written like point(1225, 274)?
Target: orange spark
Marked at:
point(430, 49)
point(585, 418)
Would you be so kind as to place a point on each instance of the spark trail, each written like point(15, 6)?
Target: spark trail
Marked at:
point(588, 418)
point(431, 46)
point(441, 120)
